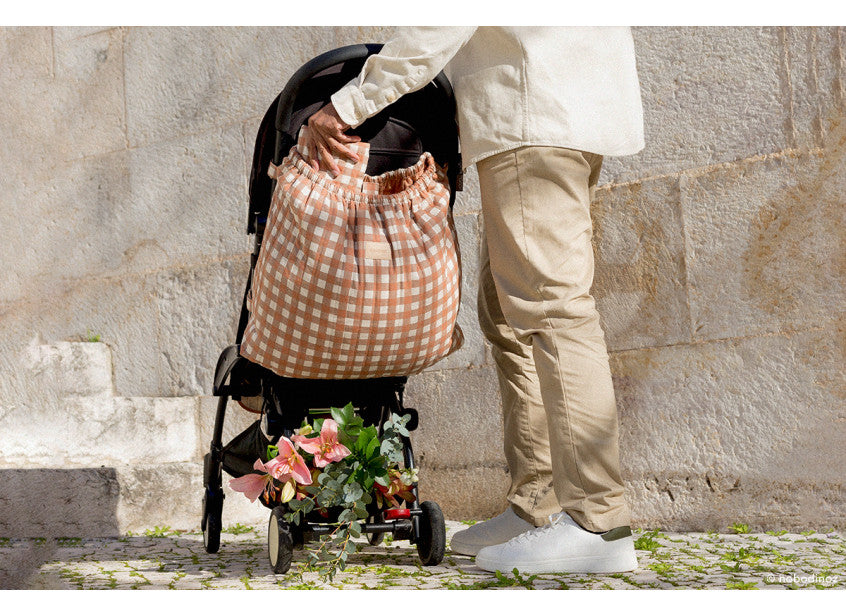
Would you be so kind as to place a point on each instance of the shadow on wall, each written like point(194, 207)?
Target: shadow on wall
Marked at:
point(48, 503)
point(45, 503)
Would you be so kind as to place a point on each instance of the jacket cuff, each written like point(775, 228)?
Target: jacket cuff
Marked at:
point(351, 105)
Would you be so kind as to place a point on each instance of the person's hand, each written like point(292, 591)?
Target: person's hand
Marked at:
point(326, 140)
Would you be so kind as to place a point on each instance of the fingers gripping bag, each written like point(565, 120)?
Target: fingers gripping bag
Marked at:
point(358, 276)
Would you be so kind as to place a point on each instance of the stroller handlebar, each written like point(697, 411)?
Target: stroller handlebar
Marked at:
point(285, 135)
point(311, 68)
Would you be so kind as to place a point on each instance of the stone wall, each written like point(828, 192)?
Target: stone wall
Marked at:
point(719, 276)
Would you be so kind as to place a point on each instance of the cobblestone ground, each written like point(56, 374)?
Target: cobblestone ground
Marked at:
point(165, 559)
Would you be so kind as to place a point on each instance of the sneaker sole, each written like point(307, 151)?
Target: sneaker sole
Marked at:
point(604, 564)
point(462, 548)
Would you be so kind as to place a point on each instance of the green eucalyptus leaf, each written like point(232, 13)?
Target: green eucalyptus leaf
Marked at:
point(353, 492)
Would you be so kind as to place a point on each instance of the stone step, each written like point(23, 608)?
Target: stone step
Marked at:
point(93, 431)
point(111, 501)
point(71, 369)
point(77, 460)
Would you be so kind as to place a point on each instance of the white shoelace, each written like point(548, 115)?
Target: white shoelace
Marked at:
point(554, 521)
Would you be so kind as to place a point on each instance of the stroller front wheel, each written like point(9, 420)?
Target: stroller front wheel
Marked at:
point(280, 542)
point(212, 520)
point(431, 537)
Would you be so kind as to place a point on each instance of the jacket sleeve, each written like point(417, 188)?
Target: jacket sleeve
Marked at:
point(407, 62)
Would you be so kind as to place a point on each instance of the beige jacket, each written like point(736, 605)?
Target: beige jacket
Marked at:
point(574, 87)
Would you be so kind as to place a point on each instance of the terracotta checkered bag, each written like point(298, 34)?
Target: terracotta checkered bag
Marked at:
point(358, 276)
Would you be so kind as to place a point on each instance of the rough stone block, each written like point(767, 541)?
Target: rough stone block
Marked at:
point(75, 110)
point(749, 430)
point(72, 369)
point(639, 280)
point(144, 489)
point(198, 311)
point(27, 52)
point(122, 311)
point(67, 34)
point(765, 245)
point(197, 189)
point(92, 217)
point(460, 418)
point(813, 68)
point(699, 87)
point(149, 430)
point(93, 119)
point(473, 493)
point(68, 415)
point(165, 330)
point(80, 431)
point(73, 224)
point(198, 75)
point(714, 503)
point(41, 422)
point(755, 411)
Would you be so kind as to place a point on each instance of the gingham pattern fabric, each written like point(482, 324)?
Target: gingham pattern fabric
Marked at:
point(358, 276)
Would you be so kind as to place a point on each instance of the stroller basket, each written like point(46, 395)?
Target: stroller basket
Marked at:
point(423, 121)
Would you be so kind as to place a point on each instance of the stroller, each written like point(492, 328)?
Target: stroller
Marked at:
point(423, 121)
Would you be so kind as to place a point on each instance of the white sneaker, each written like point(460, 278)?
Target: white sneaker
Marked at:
point(562, 546)
point(494, 531)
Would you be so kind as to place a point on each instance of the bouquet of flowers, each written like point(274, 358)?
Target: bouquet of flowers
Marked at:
point(334, 463)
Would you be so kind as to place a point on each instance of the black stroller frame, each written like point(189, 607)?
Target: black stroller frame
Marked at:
point(418, 122)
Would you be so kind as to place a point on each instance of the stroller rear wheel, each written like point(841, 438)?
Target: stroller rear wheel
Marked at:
point(374, 538)
point(431, 534)
point(280, 542)
point(212, 520)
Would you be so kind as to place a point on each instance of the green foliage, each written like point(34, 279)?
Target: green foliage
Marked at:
point(502, 580)
point(662, 568)
point(739, 528)
point(238, 528)
point(647, 542)
point(741, 555)
point(347, 485)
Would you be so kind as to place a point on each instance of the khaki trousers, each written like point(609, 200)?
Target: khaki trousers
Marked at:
point(559, 410)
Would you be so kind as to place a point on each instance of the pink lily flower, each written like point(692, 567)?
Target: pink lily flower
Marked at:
point(326, 448)
point(252, 485)
point(288, 463)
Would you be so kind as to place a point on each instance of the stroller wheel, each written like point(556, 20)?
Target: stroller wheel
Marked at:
point(280, 542)
point(431, 538)
point(376, 537)
point(212, 513)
